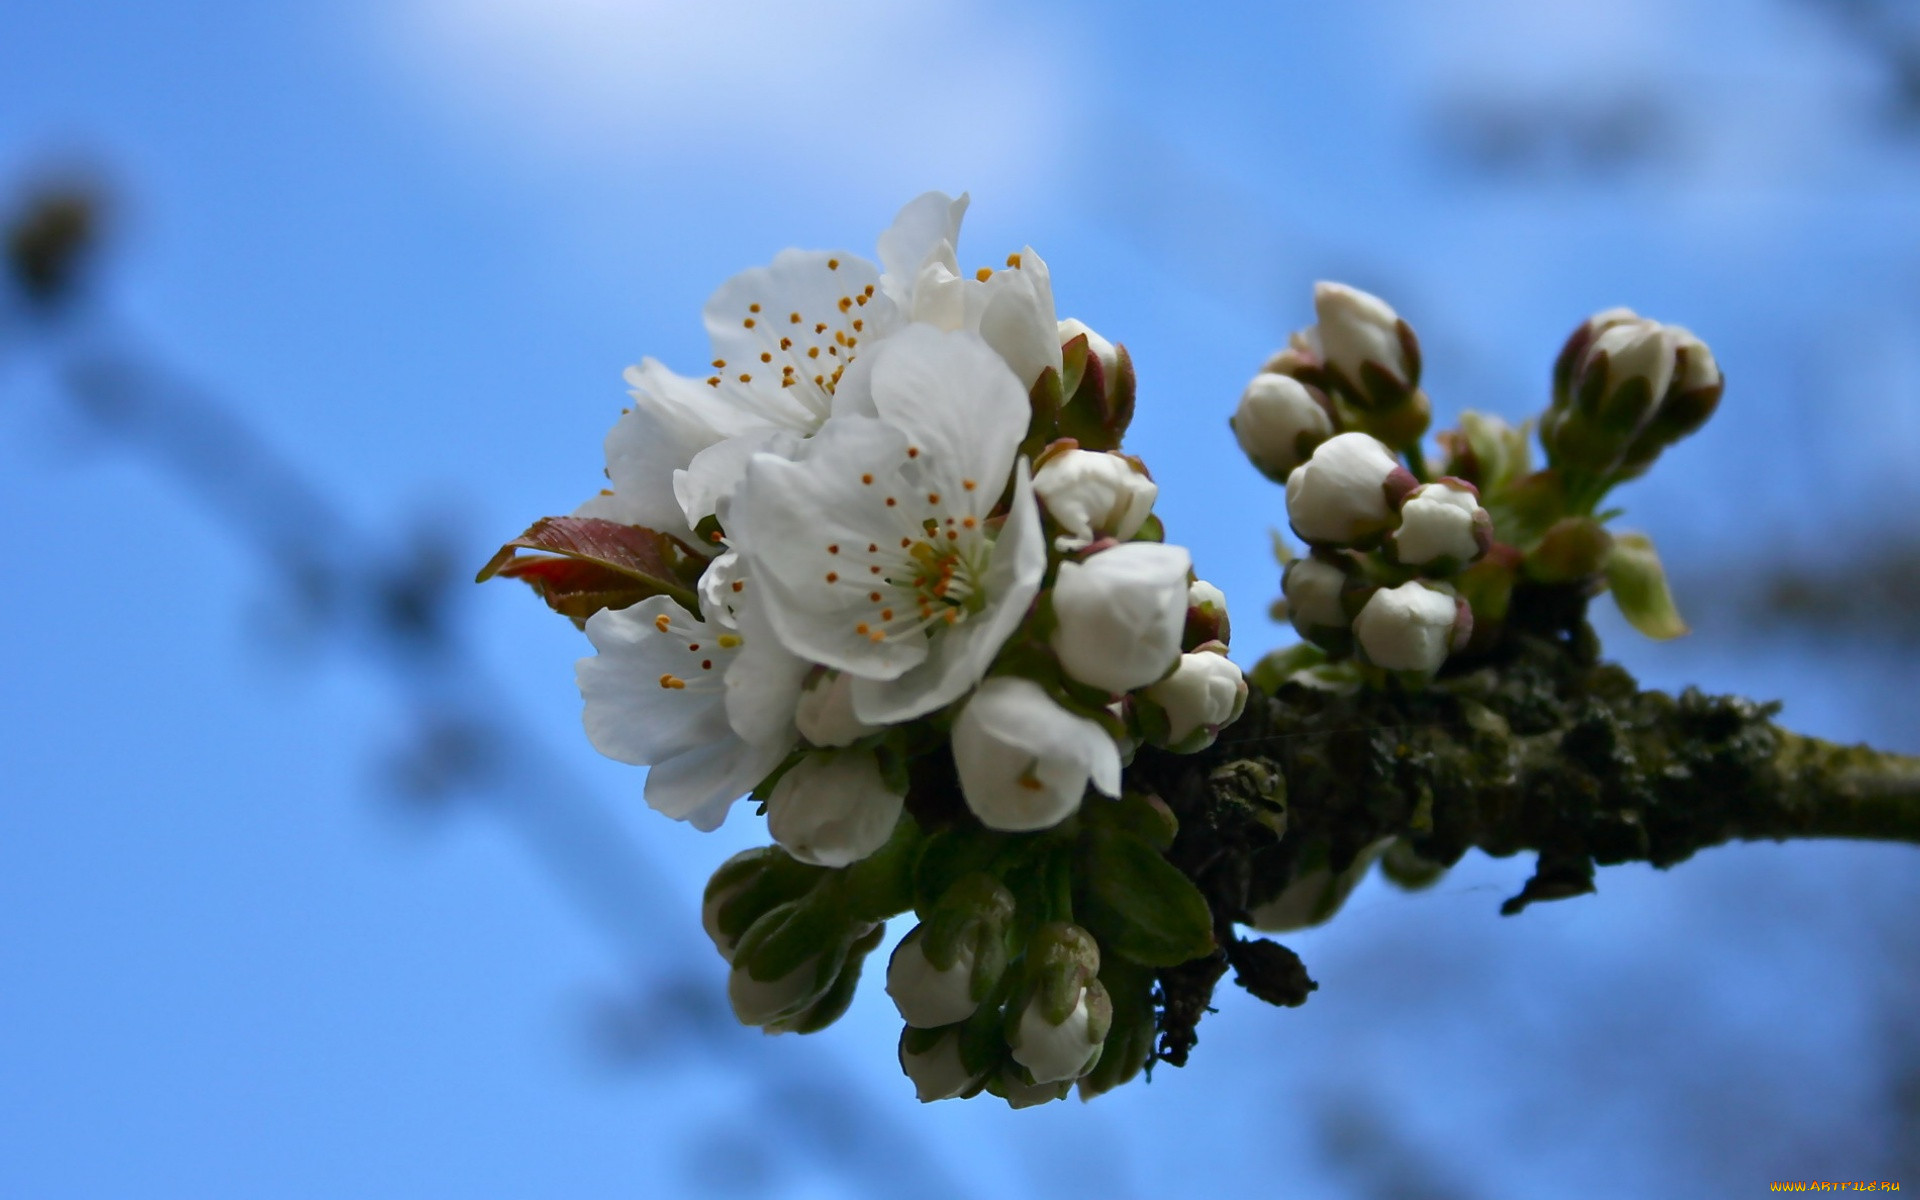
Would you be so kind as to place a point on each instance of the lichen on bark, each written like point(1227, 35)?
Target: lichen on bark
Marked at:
point(1535, 746)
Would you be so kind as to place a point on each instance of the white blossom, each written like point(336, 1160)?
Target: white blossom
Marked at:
point(926, 996)
point(873, 548)
point(938, 1072)
point(1024, 762)
point(1407, 628)
point(1010, 307)
point(686, 698)
point(1357, 327)
point(1278, 423)
point(1121, 614)
point(781, 336)
point(1091, 494)
point(1438, 521)
point(1205, 692)
point(1340, 494)
point(833, 808)
point(1054, 1053)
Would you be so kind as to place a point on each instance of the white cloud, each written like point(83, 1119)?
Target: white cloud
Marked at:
point(817, 95)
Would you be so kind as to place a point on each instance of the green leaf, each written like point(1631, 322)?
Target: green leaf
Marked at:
point(1139, 905)
point(1639, 586)
point(600, 564)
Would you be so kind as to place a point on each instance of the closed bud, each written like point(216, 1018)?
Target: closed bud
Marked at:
point(1205, 693)
point(1279, 422)
point(1206, 616)
point(787, 961)
point(1093, 494)
point(746, 887)
point(1442, 527)
point(1408, 628)
point(934, 1061)
point(1314, 587)
point(825, 715)
point(1066, 1012)
point(1487, 451)
point(833, 808)
point(1347, 491)
point(1025, 762)
point(1358, 331)
point(929, 996)
point(1121, 613)
point(1099, 347)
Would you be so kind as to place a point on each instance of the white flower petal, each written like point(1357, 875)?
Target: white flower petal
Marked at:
point(698, 787)
point(647, 697)
point(958, 658)
point(926, 996)
point(955, 400)
point(703, 487)
point(928, 227)
point(1018, 320)
point(763, 684)
point(1024, 762)
point(1053, 1053)
point(787, 515)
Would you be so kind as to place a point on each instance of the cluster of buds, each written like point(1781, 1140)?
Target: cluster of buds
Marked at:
point(1405, 569)
point(1624, 389)
point(888, 570)
point(1357, 368)
point(1383, 548)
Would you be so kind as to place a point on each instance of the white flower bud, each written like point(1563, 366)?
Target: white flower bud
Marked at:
point(1206, 691)
point(824, 715)
point(926, 996)
point(1357, 327)
point(833, 808)
point(1313, 588)
point(1121, 614)
point(1092, 494)
point(1635, 349)
point(938, 1072)
point(1407, 628)
point(1024, 762)
point(1278, 423)
point(1207, 618)
point(1698, 370)
point(1340, 494)
point(1054, 1053)
point(1097, 346)
point(1438, 521)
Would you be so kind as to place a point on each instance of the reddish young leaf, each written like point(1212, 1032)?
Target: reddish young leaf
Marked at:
point(601, 564)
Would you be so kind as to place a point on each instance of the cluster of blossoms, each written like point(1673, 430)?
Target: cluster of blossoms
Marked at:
point(888, 552)
point(1407, 567)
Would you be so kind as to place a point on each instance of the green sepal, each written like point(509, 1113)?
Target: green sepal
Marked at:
point(1153, 529)
point(1043, 400)
point(1140, 814)
point(834, 1004)
point(1138, 904)
point(764, 878)
point(1405, 869)
point(1639, 585)
point(880, 885)
point(787, 936)
point(1275, 666)
point(1573, 548)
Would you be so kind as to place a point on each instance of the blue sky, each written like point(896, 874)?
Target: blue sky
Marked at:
point(415, 243)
